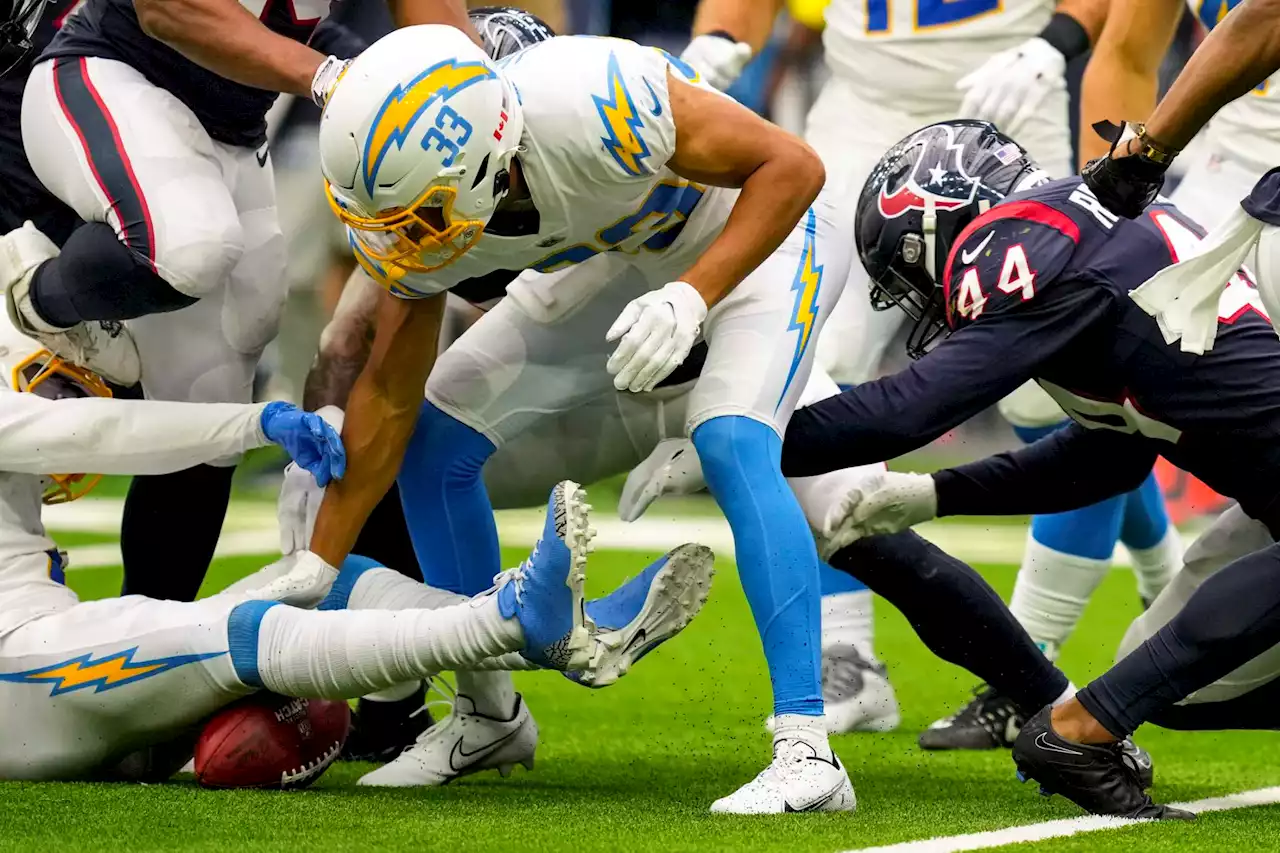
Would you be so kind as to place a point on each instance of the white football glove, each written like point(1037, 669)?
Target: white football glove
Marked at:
point(885, 503)
point(300, 497)
point(718, 59)
point(654, 333)
point(672, 468)
point(1008, 88)
point(326, 78)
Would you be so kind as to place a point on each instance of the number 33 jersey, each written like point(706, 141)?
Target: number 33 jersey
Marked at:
point(598, 133)
point(891, 49)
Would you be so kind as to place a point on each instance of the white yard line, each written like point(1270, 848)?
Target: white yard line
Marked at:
point(251, 529)
point(1067, 826)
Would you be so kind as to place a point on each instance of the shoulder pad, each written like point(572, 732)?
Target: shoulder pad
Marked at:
point(1005, 257)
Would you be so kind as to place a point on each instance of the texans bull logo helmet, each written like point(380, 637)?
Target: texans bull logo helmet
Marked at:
point(918, 199)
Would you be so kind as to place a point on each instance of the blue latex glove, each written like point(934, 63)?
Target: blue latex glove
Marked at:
point(305, 436)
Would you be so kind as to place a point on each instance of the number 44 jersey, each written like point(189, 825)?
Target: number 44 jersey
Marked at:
point(1038, 288)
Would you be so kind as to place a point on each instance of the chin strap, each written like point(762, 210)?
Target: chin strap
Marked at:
point(929, 228)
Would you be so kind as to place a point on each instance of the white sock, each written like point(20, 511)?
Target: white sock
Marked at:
point(811, 730)
point(1051, 592)
point(341, 654)
point(394, 694)
point(848, 618)
point(492, 692)
point(1154, 567)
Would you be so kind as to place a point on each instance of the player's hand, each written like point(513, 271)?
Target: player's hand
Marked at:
point(1009, 87)
point(654, 333)
point(884, 503)
point(326, 79)
point(1124, 180)
point(309, 441)
point(717, 58)
point(301, 496)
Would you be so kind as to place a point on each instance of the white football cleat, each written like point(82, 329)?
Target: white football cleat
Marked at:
point(645, 612)
point(798, 779)
point(104, 346)
point(464, 742)
point(856, 693)
point(672, 468)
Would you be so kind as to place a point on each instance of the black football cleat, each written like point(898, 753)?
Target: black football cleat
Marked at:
point(1139, 760)
point(1096, 777)
point(990, 721)
point(380, 731)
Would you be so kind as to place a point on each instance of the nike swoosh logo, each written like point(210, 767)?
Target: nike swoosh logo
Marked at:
point(970, 257)
point(637, 640)
point(1043, 743)
point(262, 160)
point(656, 109)
point(459, 752)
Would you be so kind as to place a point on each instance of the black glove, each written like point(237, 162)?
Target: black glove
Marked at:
point(1126, 185)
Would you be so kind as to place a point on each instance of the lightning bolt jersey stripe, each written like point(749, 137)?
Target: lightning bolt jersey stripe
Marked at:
point(807, 286)
point(105, 673)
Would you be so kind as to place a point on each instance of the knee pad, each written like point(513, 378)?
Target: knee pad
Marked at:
point(203, 264)
point(353, 568)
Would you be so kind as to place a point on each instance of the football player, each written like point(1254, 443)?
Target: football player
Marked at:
point(155, 139)
point(523, 167)
point(1010, 278)
point(894, 68)
point(1237, 146)
point(92, 682)
point(1236, 58)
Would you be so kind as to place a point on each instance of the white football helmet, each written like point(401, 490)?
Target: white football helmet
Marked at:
point(28, 367)
point(416, 142)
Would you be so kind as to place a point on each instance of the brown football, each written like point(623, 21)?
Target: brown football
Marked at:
point(271, 741)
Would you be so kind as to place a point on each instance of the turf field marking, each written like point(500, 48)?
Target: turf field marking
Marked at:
point(1067, 826)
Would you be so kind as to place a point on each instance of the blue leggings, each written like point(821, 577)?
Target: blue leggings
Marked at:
point(1138, 519)
point(777, 560)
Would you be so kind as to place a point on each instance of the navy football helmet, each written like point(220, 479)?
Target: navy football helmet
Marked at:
point(18, 20)
point(918, 199)
point(505, 29)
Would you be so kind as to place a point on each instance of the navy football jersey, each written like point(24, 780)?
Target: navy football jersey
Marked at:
point(230, 113)
point(22, 196)
point(1037, 288)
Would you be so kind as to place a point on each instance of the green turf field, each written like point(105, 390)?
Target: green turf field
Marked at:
point(634, 767)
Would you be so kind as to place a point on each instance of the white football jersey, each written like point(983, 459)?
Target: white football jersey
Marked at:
point(597, 136)
point(895, 49)
point(1247, 129)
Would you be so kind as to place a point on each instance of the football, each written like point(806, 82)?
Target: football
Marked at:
point(271, 741)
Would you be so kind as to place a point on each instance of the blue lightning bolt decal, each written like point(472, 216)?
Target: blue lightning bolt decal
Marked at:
point(618, 114)
point(106, 673)
point(807, 285)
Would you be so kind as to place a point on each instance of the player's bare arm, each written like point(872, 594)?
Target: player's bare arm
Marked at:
point(749, 21)
point(1121, 77)
point(383, 409)
point(345, 344)
point(726, 34)
point(228, 39)
point(722, 143)
point(1237, 56)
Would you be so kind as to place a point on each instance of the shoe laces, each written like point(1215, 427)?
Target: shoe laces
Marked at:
point(448, 698)
point(789, 757)
point(518, 575)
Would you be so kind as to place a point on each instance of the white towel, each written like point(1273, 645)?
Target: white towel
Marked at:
point(1184, 297)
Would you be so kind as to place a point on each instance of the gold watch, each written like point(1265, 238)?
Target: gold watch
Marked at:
point(1153, 149)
